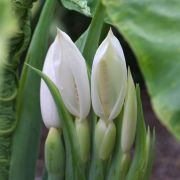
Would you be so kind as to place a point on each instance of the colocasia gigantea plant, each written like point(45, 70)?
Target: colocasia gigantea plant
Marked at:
point(84, 91)
point(96, 143)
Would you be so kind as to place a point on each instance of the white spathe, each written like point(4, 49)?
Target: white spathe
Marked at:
point(48, 107)
point(68, 68)
point(72, 78)
point(108, 78)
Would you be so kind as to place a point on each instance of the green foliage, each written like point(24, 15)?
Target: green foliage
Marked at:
point(94, 30)
point(85, 7)
point(27, 135)
point(145, 25)
point(118, 166)
point(9, 72)
point(140, 160)
point(152, 30)
point(7, 28)
point(139, 168)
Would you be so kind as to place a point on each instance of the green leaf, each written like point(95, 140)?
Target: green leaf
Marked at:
point(80, 43)
point(94, 30)
point(27, 135)
point(152, 30)
point(79, 6)
point(13, 42)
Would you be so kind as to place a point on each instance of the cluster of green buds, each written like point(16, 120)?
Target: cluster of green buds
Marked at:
point(114, 108)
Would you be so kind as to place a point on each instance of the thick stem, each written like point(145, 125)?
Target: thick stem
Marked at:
point(124, 165)
point(93, 37)
point(54, 177)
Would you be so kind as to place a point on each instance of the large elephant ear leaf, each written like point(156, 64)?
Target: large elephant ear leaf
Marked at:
point(85, 7)
point(152, 29)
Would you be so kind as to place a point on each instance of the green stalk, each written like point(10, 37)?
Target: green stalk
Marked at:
point(53, 177)
point(94, 32)
point(115, 169)
point(96, 169)
point(124, 165)
point(45, 174)
point(104, 32)
point(27, 135)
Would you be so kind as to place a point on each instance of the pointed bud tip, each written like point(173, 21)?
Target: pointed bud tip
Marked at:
point(110, 36)
point(59, 32)
point(63, 36)
point(110, 33)
point(130, 79)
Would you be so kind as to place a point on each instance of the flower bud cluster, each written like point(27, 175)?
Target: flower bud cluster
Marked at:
point(111, 86)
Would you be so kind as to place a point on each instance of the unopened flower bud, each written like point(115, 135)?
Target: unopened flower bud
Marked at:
point(66, 67)
point(105, 135)
point(71, 76)
point(108, 79)
point(83, 136)
point(129, 116)
point(54, 154)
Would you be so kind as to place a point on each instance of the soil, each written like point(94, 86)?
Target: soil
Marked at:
point(167, 159)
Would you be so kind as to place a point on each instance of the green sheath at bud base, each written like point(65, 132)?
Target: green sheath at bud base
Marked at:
point(83, 135)
point(125, 163)
point(105, 135)
point(54, 154)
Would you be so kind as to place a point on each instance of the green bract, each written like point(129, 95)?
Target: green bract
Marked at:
point(54, 154)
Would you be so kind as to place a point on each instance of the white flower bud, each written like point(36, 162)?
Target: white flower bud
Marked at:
point(48, 106)
point(108, 79)
point(71, 76)
point(105, 136)
point(129, 116)
point(66, 67)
